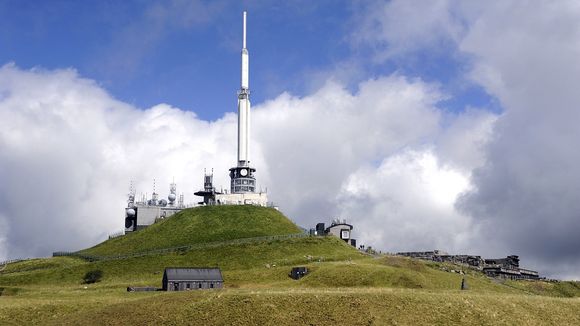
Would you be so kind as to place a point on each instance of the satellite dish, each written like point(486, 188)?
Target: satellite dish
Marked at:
point(128, 223)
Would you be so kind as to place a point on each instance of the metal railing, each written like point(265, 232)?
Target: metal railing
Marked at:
point(116, 235)
point(4, 264)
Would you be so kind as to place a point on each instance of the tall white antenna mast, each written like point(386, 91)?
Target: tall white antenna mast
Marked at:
point(244, 104)
point(244, 31)
point(243, 180)
point(245, 59)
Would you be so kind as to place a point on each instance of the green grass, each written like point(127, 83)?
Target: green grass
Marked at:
point(568, 289)
point(344, 286)
point(200, 225)
point(148, 268)
point(273, 306)
point(336, 306)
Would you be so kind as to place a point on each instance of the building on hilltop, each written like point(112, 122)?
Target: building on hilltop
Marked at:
point(506, 268)
point(509, 268)
point(192, 278)
point(338, 228)
point(142, 213)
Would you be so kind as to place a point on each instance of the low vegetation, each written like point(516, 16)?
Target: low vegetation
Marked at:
point(93, 276)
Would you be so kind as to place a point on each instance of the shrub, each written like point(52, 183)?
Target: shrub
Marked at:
point(93, 276)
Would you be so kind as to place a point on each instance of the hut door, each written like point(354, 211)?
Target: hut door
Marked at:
point(175, 286)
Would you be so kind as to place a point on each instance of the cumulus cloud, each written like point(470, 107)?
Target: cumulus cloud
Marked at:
point(524, 195)
point(406, 203)
point(68, 151)
point(313, 143)
point(397, 28)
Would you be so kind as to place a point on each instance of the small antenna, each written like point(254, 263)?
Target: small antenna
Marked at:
point(244, 33)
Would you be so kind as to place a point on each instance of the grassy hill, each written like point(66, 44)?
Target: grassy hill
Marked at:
point(344, 286)
point(147, 270)
point(200, 225)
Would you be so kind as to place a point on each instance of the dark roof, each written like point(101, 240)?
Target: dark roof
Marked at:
point(193, 274)
point(339, 225)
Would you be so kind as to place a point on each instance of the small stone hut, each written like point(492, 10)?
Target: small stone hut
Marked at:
point(192, 278)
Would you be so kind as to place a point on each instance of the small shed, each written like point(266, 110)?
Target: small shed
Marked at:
point(192, 278)
point(298, 272)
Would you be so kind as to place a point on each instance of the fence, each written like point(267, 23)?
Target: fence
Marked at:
point(5, 263)
point(116, 235)
point(180, 248)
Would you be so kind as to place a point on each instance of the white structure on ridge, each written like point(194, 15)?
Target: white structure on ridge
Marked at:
point(243, 181)
point(140, 214)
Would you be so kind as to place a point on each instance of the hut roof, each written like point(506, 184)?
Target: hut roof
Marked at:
point(339, 225)
point(193, 274)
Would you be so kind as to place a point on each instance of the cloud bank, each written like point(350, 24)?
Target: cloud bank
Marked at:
point(68, 151)
point(524, 196)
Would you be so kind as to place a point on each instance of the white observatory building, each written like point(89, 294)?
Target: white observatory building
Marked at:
point(243, 189)
point(144, 212)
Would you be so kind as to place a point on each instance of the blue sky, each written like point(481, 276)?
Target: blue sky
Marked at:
point(191, 59)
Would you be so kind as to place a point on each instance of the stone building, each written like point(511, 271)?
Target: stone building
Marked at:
point(192, 278)
point(507, 268)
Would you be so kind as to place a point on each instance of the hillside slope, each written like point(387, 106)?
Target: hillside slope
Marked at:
point(344, 286)
point(200, 225)
point(333, 307)
point(147, 270)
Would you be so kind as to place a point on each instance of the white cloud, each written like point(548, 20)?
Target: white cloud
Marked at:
point(68, 151)
point(525, 54)
point(407, 203)
point(398, 28)
point(527, 193)
point(312, 144)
